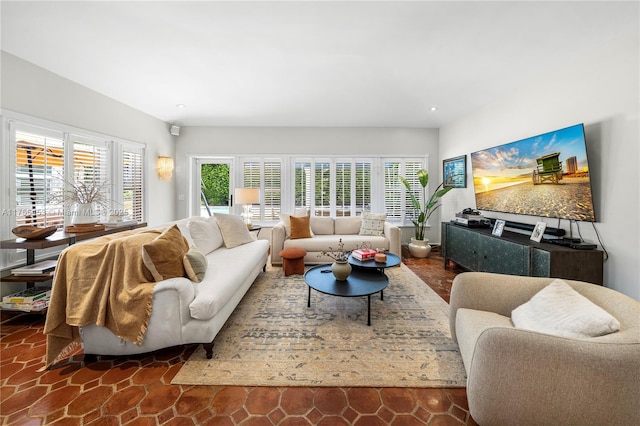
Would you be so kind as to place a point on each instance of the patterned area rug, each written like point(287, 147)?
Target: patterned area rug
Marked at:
point(273, 339)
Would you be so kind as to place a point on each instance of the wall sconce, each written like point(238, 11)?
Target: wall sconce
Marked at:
point(247, 196)
point(164, 165)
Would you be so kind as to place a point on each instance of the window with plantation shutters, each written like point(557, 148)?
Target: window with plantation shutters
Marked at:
point(91, 172)
point(132, 181)
point(338, 187)
point(397, 201)
point(267, 176)
point(303, 184)
point(343, 189)
point(51, 165)
point(322, 189)
point(39, 166)
point(362, 183)
point(272, 194)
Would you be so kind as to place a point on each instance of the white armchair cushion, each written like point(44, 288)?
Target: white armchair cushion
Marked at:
point(560, 310)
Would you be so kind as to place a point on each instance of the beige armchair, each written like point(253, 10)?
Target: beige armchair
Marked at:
point(521, 377)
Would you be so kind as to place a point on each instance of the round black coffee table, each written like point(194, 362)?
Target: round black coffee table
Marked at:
point(359, 283)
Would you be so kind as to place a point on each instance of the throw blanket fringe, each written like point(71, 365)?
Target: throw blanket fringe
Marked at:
point(103, 282)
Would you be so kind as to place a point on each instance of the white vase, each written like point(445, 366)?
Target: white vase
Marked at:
point(84, 214)
point(341, 270)
point(419, 248)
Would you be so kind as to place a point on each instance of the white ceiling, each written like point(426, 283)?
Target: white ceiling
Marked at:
point(370, 64)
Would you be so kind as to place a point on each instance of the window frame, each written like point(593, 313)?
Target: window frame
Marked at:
point(288, 179)
point(13, 123)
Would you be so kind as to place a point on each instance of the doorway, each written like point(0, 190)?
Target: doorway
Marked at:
point(215, 178)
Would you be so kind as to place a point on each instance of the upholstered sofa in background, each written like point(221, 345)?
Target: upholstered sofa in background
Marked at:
point(327, 232)
point(520, 377)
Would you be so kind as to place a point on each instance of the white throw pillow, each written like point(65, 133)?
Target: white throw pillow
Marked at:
point(205, 234)
point(372, 223)
point(234, 230)
point(560, 310)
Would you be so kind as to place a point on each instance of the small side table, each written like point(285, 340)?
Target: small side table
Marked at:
point(255, 228)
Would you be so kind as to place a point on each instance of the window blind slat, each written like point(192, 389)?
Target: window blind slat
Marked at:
point(39, 160)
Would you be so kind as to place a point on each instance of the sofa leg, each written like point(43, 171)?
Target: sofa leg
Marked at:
point(88, 358)
point(208, 349)
point(264, 268)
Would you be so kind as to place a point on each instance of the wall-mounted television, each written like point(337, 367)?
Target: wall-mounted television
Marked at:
point(545, 175)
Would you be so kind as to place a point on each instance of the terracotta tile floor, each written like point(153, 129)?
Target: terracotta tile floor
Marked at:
point(136, 390)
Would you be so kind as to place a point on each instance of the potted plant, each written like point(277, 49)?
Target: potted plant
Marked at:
point(85, 198)
point(419, 246)
point(341, 268)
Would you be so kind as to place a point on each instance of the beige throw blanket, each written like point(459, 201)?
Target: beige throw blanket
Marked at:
point(103, 282)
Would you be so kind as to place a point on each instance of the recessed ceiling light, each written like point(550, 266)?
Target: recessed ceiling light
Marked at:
point(433, 108)
point(181, 105)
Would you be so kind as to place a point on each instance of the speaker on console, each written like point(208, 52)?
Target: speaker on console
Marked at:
point(175, 130)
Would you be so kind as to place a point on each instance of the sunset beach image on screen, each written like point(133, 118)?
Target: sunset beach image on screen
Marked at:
point(545, 175)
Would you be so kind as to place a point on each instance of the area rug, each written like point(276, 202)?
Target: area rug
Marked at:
point(274, 339)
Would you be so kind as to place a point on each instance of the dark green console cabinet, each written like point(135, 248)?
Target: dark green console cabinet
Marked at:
point(476, 249)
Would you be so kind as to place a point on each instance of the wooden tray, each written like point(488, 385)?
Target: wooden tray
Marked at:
point(32, 232)
point(85, 228)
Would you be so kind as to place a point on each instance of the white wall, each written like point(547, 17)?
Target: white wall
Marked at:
point(195, 141)
point(34, 91)
point(601, 89)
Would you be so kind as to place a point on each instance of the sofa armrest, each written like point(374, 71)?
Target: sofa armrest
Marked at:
point(278, 235)
point(510, 364)
point(167, 291)
point(392, 232)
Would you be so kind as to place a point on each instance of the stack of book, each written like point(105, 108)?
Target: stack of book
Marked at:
point(31, 299)
point(364, 254)
point(40, 268)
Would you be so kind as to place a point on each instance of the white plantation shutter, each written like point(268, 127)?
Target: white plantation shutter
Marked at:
point(48, 162)
point(272, 197)
point(39, 164)
point(91, 168)
point(132, 183)
point(393, 192)
point(252, 180)
point(362, 183)
point(397, 201)
point(266, 175)
point(343, 189)
point(322, 189)
point(303, 184)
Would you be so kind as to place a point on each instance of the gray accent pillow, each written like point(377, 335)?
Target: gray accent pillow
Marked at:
point(195, 265)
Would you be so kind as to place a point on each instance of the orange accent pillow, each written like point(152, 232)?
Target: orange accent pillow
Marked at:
point(300, 227)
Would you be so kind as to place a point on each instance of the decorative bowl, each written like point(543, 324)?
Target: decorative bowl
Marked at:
point(31, 232)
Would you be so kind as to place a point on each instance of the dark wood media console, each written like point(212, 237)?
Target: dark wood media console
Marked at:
point(475, 249)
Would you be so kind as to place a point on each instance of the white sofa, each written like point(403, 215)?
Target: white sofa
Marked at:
point(327, 232)
point(187, 312)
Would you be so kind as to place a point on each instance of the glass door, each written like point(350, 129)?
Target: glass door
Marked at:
point(213, 184)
